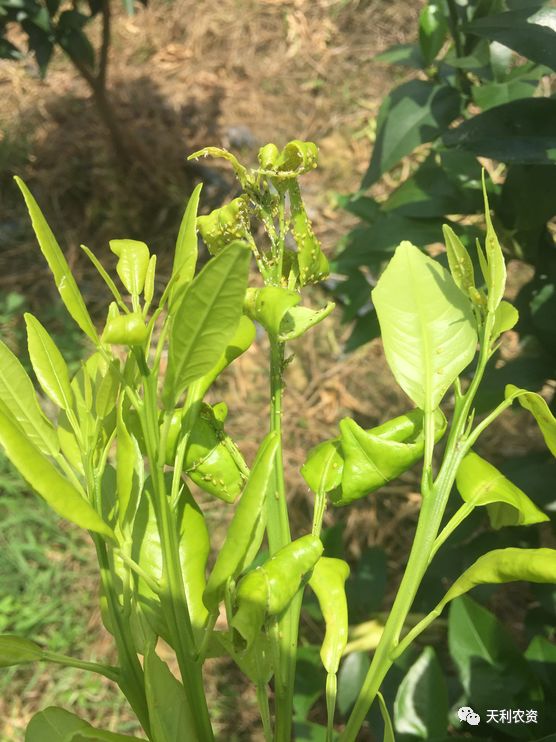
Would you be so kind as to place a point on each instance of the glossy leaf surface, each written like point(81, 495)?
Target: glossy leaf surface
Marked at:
point(413, 113)
point(18, 399)
point(46, 480)
point(427, 324)
point(206, 320)
point(65, 282)
point(421, 705)
point(185, 255)
point(48, 364)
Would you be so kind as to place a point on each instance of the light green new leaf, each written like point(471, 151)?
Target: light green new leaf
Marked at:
point(148, 290)
point(505, 565)
point(169, 711)
point(105, 277)
point(129, 470)
point(480, 483)
point(298, 320)
point(505, 317)
point(17, 651)
point(538, 407)
point(133, 263)
point(65, 282)
point(495, 259)
point(241, 340)
point(461, 266)
point(46, 480)
point(185, 255)
point(48, 364)
point(18, 397)
point(240, 171)
point(328, 583)
point(427, 325)
point(206, 319)
point(243, 529)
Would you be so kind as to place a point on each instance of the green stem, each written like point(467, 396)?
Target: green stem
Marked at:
point(434, 504)
point(172, 590)
point(131, 678)
point(279, 536)
point(112, 673)
point(459, 516)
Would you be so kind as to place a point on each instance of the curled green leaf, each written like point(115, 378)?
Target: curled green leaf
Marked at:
point(461, 266)
point(496, 277)
point(185, 255)
point(268, 590)
point(480, 483)
point(244, 529)
point(224, 225)
point(133, 263)
point(328, 583)
point(298, 320)
point(240, 171)
point(538, 407)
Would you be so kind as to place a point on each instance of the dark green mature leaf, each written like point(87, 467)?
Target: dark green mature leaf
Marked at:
point(494, 94)
point(350, 679)
point(206, 319)
point(408, 55)
point(436, 188)
point(531, 34)
point(520, 132)
point(432, 29)
point(489, 664)
point(415, 112)
point(528, 198)
point(421, 705)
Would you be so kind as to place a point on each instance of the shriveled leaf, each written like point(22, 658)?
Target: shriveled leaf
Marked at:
point(538, 407)
point(65, 282)
point(46, 480)
point(17, 651)
point(48, 363)
point(480, 483)
point(427, 325)
point(206, 319)
point(17, 395)
point(185, 255)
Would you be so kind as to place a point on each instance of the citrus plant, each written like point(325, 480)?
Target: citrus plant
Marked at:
point(133, 439)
